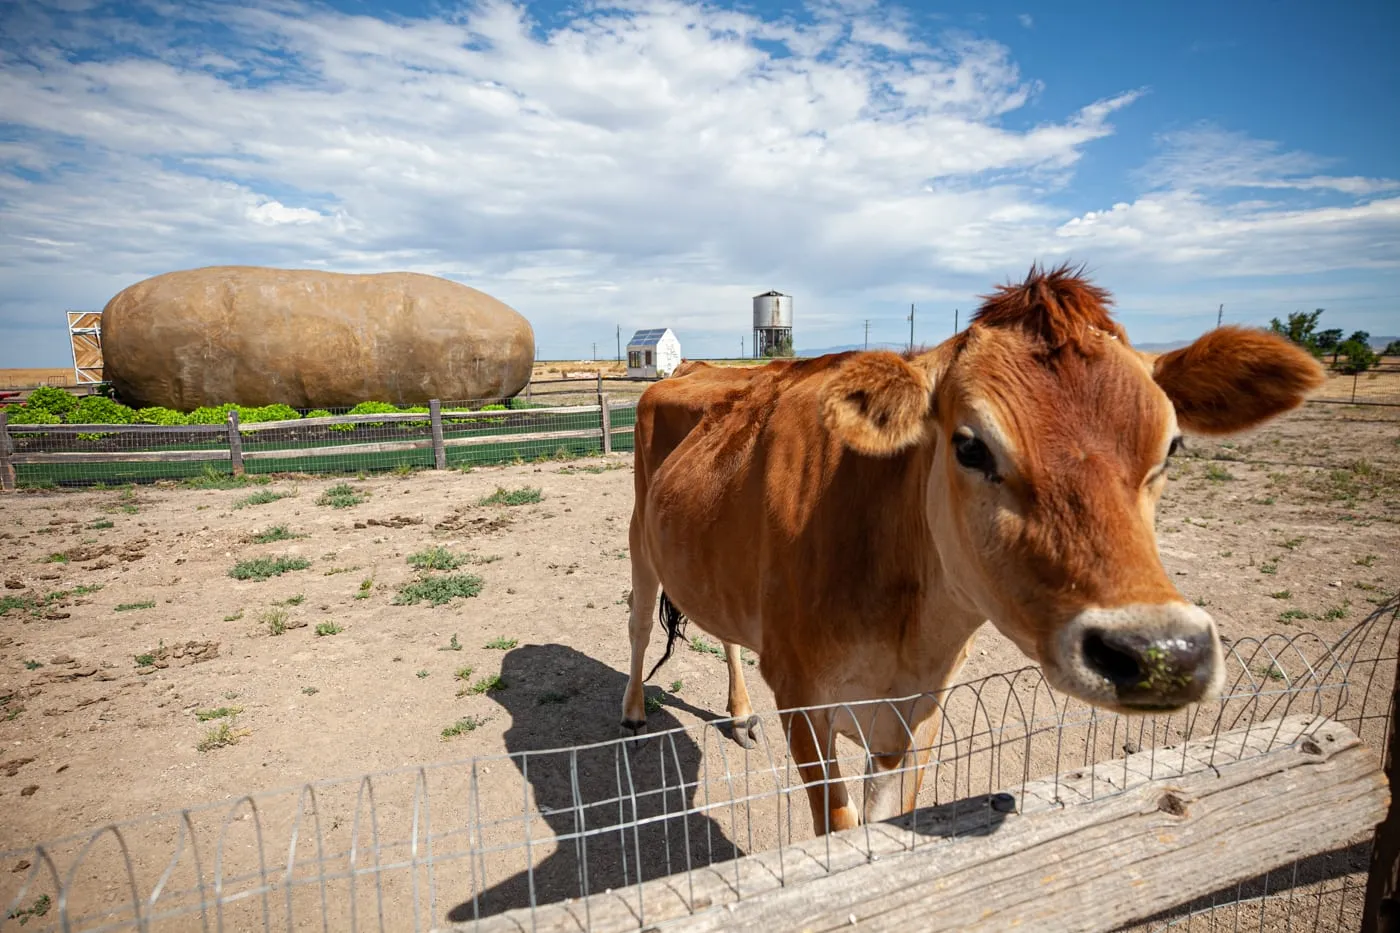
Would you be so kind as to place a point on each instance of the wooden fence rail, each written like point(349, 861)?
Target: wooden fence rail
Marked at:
point(438, 420)
point(1078, 853)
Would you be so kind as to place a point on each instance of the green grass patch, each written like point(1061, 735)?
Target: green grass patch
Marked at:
point(220, 736)
point(210, 478)
point(697, 643)
point(502, 644)
point(275, 620)
point(435, 558)
point(261, 568)
point(261, 497)
point(463, 726)
point(488, 684)
point(1218, 474)
point(100, 524)
point(526, 495)
point(437, 590)
point(275, 533)
point(341, 496)
point(39, 908)
point(328, 628)
point(128, 607)
point(22, 603)
point(222, 712)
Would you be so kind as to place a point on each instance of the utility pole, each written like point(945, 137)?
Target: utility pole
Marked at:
point(741, 348)
point(867, 333)
point(594, 357)
point(1219, 315)
point(955, 320)
point(911, 327)
point(619, 343)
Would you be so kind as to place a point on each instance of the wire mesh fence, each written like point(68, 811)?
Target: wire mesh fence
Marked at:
point(660, 827)
point(446, 435)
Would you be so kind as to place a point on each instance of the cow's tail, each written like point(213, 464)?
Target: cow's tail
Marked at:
point(673, 621)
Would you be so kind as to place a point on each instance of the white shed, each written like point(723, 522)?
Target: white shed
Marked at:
point(652, 353)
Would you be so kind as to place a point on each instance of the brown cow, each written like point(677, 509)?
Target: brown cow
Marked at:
point(855, 518)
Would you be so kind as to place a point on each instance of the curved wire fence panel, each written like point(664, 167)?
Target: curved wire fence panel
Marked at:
point(528, 840)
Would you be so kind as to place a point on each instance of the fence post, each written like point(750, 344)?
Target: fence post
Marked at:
point(1381, 911)
point(235, 443)
point(607, 423)
point(7, 448)
point(439, 448)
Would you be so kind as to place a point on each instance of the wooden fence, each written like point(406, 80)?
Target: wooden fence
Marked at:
point(237, 437)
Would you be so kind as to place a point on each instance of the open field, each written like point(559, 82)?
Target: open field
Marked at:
point(165, 645)
point(24, 378)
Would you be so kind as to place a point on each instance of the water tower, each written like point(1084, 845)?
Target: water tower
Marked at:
point(772, 324)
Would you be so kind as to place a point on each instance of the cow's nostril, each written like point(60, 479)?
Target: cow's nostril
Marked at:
point(1120, 667)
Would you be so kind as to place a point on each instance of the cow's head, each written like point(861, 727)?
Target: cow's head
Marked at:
point(1049, 437)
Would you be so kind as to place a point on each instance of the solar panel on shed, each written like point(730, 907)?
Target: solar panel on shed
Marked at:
point(647, 338)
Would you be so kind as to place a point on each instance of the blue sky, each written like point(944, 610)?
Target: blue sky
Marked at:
point(657, 162)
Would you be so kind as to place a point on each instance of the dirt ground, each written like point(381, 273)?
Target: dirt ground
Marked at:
point(137, 675)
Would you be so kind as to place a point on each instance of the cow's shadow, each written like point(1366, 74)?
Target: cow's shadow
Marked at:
point(592, 798)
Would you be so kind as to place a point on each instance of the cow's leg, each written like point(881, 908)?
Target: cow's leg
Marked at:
point(641, 602)
point(740, 709)
point(901, 738)
point(810, 736)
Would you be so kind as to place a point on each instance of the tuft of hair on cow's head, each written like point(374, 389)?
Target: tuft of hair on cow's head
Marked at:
point(877, 403)
point(1058, 308)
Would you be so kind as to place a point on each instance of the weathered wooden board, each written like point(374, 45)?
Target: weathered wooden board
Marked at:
point(119, 428)
point(1133, 837)
point(124, 456)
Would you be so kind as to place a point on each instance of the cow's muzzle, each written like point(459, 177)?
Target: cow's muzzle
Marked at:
point(1139, 658)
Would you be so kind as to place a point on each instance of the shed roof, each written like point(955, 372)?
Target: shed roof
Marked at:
point(647, 338)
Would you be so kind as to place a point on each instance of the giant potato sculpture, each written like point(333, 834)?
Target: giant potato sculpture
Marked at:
point(310, 339)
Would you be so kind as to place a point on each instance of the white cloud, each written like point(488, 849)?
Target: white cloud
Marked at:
point(654, 158)
point(1026, 20)
point(1206, 157)
point(275, 212)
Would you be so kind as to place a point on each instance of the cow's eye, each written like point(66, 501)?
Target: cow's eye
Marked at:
point(972, 454)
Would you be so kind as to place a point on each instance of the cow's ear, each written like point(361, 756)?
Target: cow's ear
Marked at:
point(1234, 378)
point(877, 403)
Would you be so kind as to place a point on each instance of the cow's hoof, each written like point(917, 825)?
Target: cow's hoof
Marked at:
point(746, 731)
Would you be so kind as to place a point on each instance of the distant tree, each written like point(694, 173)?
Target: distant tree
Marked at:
point(1327, 341)
point(1359, 358)
point(1392, 349)
point(1360, 336)
point(1300, 329)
